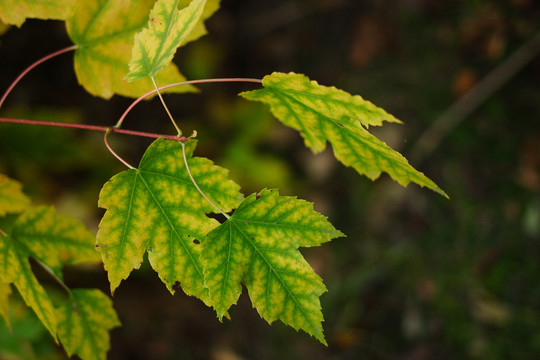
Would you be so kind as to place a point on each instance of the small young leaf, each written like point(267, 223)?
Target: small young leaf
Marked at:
point(5, 291)
point(168, 27)
point(15, 268)
point(324, 114)
point(15, 12)
point(157, 206)
point(12, 199)
point(84, 322)
point(104, 31)
point(258, 246)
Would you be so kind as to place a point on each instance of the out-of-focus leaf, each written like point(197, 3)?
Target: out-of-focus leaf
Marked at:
point(168, 28)
point(12, 199)
point(258, 246)
point(15, 268)
point(51, 239)
point(55, 239)
point(15, 12)
point(84, 322)
point(104, 32)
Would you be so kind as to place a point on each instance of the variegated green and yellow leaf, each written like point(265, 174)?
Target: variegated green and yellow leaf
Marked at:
point(324, 114)
point(258, 246)
point(104, 30)
point(12, 199)
point(156, 208)
point(55, 240)
point(84, 322)
point(167, 29)
point(15, 268)
point(200, 30)
point(5, 291)
point(15, 12)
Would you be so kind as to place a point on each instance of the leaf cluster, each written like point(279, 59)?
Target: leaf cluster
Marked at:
point(39, 235)
point(164, 207)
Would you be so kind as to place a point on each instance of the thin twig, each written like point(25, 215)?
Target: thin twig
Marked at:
point(465, 106)
point(189, 82)
point(21, 75)
point(2, 233)
point(92, 127)
point(197, 186)
point(112, 151)
point(165, 106)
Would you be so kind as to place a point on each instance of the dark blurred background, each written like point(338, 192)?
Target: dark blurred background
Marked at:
point(419, 276)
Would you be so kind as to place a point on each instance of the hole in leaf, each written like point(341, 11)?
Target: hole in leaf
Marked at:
point(218, 217)
point(150, 249)
point(196, 242)
point(176, 286)
point(257, 197)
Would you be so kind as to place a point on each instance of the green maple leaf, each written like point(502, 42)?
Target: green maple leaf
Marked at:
point(258, 246)
point(15, 12)
point(53, 240)
point(324, 114)
point(157, 208)
point(167, 29)
point(12, 199)
point(84, 322)
point(104, 30)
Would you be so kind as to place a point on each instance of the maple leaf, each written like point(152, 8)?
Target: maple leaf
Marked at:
point(55, 239)
point(324, 114)
point(51, 239)
point(104, 30)
point(12, 199)
point(15, 12)
point(84, 322)
point(157, 208)
point(258, 246)
point(167, 29)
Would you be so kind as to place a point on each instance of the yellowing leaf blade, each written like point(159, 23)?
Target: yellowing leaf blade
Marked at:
point(54, 239)
point(15, 268)
point(324, 114)
point(84, 322)
point(12, 199)
point(200, 30)
point(258, 246)
point(167, 29)
point(156, 208)
point(104, 32)
point(370, 156)
point(15, 12)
